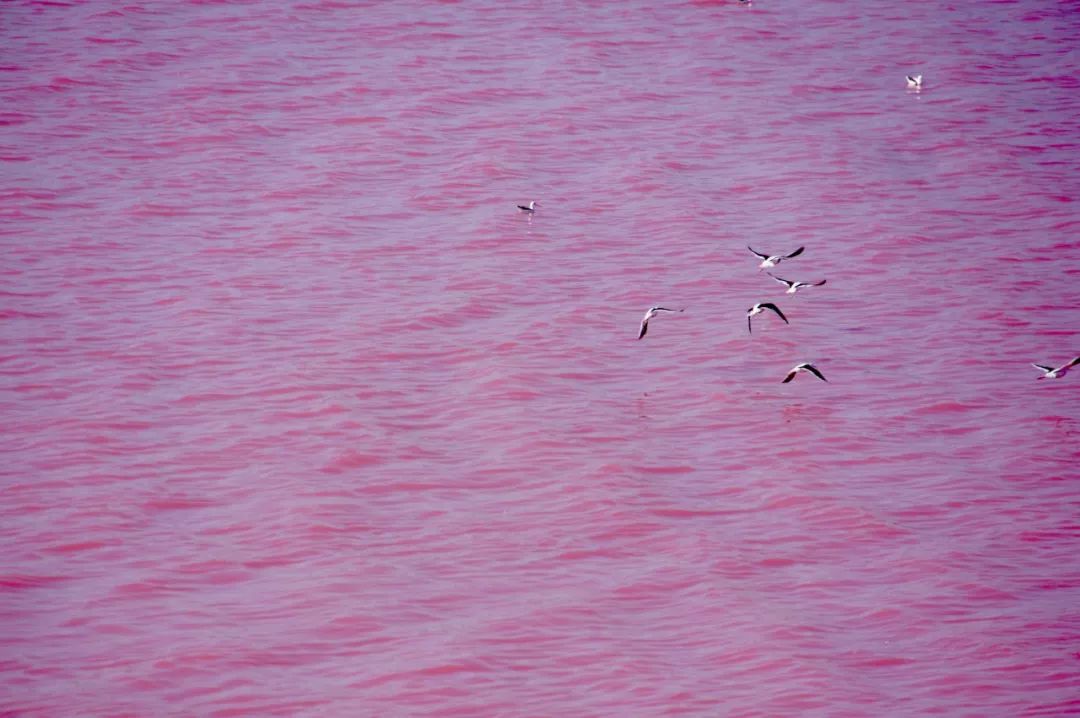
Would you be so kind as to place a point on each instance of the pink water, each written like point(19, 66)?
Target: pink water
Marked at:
point(302, 417)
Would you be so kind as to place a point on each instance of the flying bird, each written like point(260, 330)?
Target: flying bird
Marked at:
point(805, 366)
point(1050, 372)
point(771, 260)
point(530, 208)
point(914, 82)
point(793, 287)
point(759, 308)
point(653, 311)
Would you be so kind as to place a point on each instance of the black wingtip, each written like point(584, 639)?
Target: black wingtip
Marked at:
point(776, 309)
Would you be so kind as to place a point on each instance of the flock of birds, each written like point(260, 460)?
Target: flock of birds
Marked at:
point(914, 82)
point(767, 261)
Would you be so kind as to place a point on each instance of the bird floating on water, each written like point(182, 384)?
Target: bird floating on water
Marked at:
point(758, 309)
point(793, 287)
point(1050, 372)
point(530, 208)
point(805, 366)
point(914, 82)
point(771, 260)
point(653, 311)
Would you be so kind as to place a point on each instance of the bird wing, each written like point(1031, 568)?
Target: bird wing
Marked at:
point(1074, 362)
point(818, 284)
point(665, 309)
point(789, 377)
point(749, 326)
point(796, 253)
point(644, 328)
point(782, 281)
point(1043, 367)
point(763, 256)
point(776, 309)
point(813, 370)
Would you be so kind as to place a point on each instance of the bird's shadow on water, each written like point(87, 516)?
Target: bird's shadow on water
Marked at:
point(795, 412)
point(1065, 426)
point(803, 413)
point(641, 405)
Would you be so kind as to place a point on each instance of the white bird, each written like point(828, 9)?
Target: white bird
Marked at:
point(530, 208)
point(914, 82)
point(793, 287)
point(805, 366)
point(759, 308)
point(771, 260)
point(653, 311)
point(1050, 372)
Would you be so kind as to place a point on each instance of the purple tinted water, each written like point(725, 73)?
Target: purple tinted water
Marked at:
point(302, 417)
